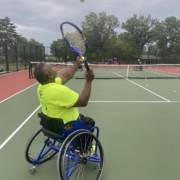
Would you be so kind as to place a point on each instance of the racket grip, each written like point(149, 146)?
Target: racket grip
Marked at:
point(86, 65)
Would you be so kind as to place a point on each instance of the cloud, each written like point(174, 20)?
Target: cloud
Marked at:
point(41, 19)
point(38, 33)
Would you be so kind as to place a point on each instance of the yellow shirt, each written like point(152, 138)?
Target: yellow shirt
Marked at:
point(57, 100)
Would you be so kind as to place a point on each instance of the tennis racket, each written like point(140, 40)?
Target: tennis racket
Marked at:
point(75, 40)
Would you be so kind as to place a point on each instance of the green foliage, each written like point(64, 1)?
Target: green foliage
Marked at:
point(140, 31)
point(33, 41)
point(7, 30)
point(61, 51)
point(15, 48)
point(99, 30)
point(142, 35)
point(168, 39)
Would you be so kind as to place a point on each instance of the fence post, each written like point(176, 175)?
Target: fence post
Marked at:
point(119, 56)
point(24, 48)
point(44, 54)
point(56, 53)
point(16, 55)
point(30, 51)
point(6, 56)
point(36, 52)
point(104, 55)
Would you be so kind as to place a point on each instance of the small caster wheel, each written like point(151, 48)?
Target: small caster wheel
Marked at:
point(32, 170)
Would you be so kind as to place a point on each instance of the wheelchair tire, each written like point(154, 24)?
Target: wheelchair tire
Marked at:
point(35, 145)
point(80, 160)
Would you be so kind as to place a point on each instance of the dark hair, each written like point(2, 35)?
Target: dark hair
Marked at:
point(40, 73)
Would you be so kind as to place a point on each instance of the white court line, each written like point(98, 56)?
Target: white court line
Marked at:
point(8, 139)
point(18, 93)
point(22, 90)
point(144, 88)
point(162, 72)
point(149, 90)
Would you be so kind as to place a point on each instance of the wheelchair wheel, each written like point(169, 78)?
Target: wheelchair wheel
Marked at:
point(81, 157)
point(35, 146)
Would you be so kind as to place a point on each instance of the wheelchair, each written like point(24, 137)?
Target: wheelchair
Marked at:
point(138, 68)
point(80, 153)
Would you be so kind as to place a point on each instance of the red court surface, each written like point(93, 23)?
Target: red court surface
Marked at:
point(12, 83)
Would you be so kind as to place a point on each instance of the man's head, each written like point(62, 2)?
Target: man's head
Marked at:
point(45, 73)
point(139, 60)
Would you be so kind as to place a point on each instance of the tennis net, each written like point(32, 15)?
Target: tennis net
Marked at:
point(101, 71)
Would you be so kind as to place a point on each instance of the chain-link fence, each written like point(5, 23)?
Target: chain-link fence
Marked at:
point(94, 55)
point(16, 56)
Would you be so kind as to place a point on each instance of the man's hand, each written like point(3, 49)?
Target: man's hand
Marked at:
point(78, 61)
point(89, 75)
point(84, 96)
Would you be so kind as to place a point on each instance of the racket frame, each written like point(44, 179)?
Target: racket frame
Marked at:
point(79, 53)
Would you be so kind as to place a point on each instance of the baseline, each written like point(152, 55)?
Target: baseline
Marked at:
point(22, 124)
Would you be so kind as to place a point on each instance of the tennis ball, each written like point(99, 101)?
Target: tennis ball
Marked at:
point(82, 59)
point(174, 91)
point(93, 148)
point(146, 85)
point(81, 0)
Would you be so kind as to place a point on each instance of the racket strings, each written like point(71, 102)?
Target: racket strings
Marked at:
point(74, 37)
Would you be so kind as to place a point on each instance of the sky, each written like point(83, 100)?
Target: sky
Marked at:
point(41, 19)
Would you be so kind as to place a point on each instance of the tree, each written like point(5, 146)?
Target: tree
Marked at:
point(128, 48)
point(61, 50)
point(7, 30)
point(33, 41)
point(8, 35)
point(15, 46)
point(99, 30)
point(168, 39)
point(140, 31)
point(172, 26)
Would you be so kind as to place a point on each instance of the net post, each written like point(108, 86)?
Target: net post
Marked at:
point(127, 72)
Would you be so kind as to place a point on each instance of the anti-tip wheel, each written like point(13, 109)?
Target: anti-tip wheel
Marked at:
point(32, 170)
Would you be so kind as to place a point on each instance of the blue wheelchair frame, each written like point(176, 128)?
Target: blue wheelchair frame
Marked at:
point(78, 125)
point(70, 131)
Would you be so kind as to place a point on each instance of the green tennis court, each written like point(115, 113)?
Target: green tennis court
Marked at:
point(139, 129)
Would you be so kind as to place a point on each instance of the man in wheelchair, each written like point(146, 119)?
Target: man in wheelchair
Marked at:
point(57, 100)
point(139, 66)
point(64, 130)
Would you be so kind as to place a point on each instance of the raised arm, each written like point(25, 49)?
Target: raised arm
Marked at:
point(85, 95)
point(66, 76)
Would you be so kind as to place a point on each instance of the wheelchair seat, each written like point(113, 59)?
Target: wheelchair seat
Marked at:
point(56, 127)
point(67, 129)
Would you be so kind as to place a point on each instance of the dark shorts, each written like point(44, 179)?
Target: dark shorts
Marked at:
point(87, 120)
